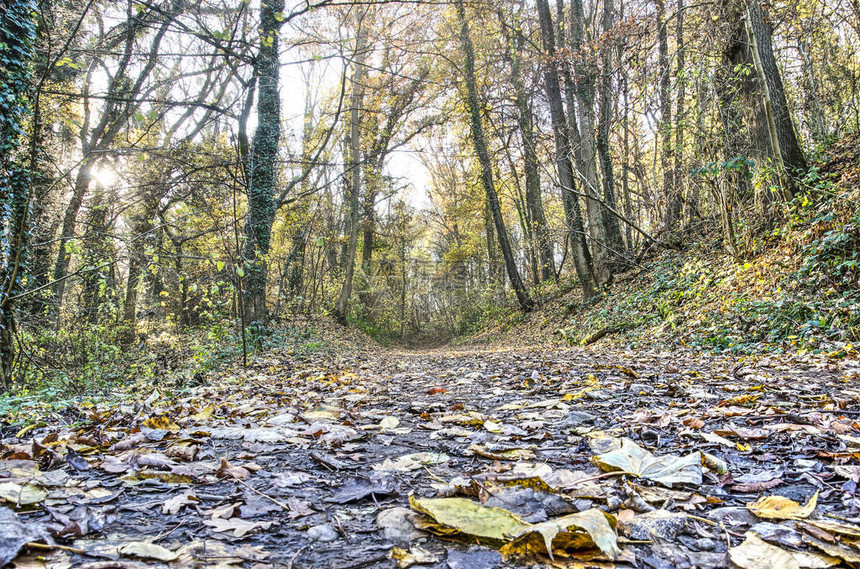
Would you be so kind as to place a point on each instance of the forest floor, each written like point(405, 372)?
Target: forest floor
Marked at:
point(349, 459)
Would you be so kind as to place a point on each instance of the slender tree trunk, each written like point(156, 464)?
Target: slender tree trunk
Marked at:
point(136, 262)
point(815, 116)
point(262, 167)
point(67, 234)
point(480, 144)
point(353, 173)
point(614, 241)
point(495, 278)
point(625, 169)
point(538, 227)
point(581, 255)
point(670, 192)
point(585, 106)
point(681, 77)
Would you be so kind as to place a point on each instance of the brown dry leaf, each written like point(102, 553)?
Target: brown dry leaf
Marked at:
point(754, 553)
point(237, 526)
point(782, 508)
point(227, 470)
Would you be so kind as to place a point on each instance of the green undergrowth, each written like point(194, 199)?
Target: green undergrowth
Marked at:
point(796, 289)
point(73, 368)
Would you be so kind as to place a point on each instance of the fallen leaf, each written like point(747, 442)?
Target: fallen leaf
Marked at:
point(667, 470)
point(147, 550)
point(413, 461)
point(161, 424)
point(574, 532)
point(414, 556)
point(176, 503)
point(22, 494)
point(237, 526)
point(453, 516)
point(782, 508)
point(755, 553)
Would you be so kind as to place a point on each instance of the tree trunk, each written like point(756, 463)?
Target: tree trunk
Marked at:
point(670, 193)
point(581, 255)
point(784, 145)
point(262, 167)
point(538, 226)
point(136, 262)
point(614, 241)
point(17, 31)
point(585, 106)
point(67, 234)
point(480, 144)
point(681, 77)
point(353, 173)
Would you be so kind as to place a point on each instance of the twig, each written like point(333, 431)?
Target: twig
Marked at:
point(254, 490)
point(294, 557)
point(34, 545)
point(434, 477)
point(162, 535)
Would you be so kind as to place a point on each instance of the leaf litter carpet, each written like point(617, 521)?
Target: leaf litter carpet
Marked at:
point(467, 460)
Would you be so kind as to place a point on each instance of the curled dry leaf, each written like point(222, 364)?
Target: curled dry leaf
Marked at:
point(755, 553)
point(781, 508)
point(628, 457)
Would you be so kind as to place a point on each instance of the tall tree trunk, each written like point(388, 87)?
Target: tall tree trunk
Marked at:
point(353, 172)
point(67, 233)
point(784, 145)
point(584, 85)
point(670, 192)
point(681, 77)
point(614, 241)
point(136, 263)
point(495, 278)
point(262, 166)
point(537, 219)
point(581, 256)
point(480, 144)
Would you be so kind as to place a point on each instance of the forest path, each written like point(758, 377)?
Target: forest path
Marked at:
point(307, 460)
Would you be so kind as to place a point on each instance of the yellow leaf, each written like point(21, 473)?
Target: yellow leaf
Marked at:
point(161, 424)
point(21, 495)
point(204, 415)
point(782, 508)
point(574, 532)
point(470, 518)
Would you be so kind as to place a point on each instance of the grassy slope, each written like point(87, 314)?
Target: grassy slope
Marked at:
point(796, 289)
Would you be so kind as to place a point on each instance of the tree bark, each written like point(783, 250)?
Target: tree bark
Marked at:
point(353, 172)
point(614, 241)
point(584, 86)
point(581, 255)
point(670, 192)
point(537, 219)
point(262, 165)
point(480, 145)
point(784, 145)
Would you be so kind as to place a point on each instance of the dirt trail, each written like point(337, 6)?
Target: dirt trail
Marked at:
point(308, 460)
